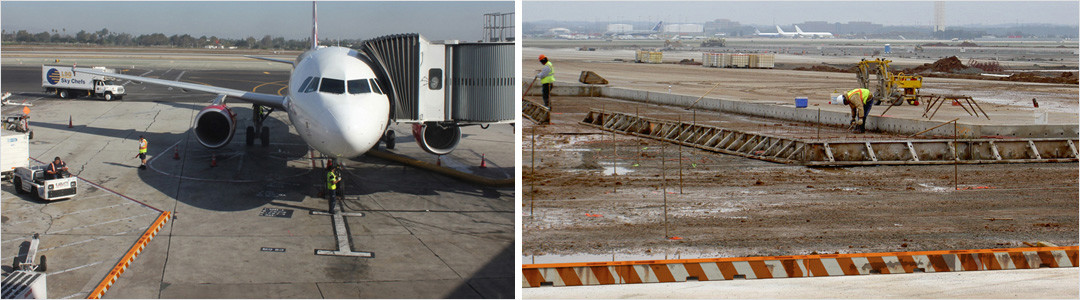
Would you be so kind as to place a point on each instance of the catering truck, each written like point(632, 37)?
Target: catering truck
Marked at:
point(65, 82)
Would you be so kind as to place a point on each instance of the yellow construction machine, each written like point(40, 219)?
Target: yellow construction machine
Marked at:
point(891, 88)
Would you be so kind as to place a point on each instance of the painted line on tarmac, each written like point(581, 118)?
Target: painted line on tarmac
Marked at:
point(77, 268)
point(102, 223)
point(73, 295)
point(140, 75)
point(96, 208)
point(70, 244)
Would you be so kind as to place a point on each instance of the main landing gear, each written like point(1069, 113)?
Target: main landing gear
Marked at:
point(259, 114)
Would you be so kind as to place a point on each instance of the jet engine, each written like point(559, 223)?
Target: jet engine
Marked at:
point(436, 138)
point(214, 126)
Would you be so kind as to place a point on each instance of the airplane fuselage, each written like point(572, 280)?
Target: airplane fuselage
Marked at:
point(335, 103)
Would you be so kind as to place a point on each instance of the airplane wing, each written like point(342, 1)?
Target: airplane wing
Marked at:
point(275, 101)
point(271, 59)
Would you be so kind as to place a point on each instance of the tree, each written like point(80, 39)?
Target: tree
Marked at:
point(82, 37)
point(266, 42)
point(42, 37)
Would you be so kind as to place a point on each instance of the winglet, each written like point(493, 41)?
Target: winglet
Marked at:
point(314, 25)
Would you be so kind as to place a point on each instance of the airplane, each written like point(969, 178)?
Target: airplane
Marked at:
point(819, 34)
point(779, 33)
point(655, 29)
point(334, 100)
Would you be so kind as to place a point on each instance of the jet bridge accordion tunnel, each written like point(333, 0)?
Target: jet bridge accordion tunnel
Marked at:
point(445, 81)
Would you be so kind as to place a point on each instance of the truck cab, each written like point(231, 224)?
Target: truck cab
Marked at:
point(108, 89)
point(32, 179)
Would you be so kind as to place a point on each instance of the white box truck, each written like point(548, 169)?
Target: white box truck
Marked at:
point(67, 82)
point(16, 149)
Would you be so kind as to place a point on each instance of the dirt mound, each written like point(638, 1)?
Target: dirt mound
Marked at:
point(945, 65)
point(968, 44)
point(1029, 77)
point(823, 69)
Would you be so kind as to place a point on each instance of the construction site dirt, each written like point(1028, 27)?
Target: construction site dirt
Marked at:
point(590, 194)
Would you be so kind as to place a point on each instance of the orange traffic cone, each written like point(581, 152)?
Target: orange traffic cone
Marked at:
point(176, 153)
point(213, 160)
point(438, 160)
point(69, 121)
point(483, 161)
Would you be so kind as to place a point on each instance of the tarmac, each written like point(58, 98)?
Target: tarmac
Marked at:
point(246, 228)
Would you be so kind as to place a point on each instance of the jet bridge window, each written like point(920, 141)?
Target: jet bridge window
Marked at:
point(333, 86)
point(359, 86)
point(312, 85)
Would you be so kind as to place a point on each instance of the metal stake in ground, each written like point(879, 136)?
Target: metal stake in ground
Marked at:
point(956, 167)
point(614, 166)
point(663, 186)
point(819, 123)
point(532, 174)
point(680, 158)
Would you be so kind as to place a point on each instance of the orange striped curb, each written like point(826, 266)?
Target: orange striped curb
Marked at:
point(680, 270)
point(130, 256)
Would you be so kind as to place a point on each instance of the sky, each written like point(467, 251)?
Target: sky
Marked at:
point(919, 13)
point(292, 20)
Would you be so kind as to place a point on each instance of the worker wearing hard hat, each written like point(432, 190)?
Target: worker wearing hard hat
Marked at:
point(860, 101)
point(547, 79)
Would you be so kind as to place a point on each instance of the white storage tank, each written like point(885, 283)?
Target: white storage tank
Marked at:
point(620, 28)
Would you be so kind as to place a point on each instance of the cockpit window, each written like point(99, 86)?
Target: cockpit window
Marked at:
point(359, 86)
point(303, 85)
point(312, 85)
point(375, 87)
point(333, 86)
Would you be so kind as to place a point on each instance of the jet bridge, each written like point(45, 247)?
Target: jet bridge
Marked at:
point(446, 82)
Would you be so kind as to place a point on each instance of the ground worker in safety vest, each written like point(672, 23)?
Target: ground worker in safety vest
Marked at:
point(547, 79)
point(332, 180)
point(142, 152)
point(860, 101)
point(56, 169)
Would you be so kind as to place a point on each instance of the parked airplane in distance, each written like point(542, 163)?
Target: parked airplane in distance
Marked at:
point(819, 34)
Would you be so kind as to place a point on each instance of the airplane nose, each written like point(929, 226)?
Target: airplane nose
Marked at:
point(360, 130)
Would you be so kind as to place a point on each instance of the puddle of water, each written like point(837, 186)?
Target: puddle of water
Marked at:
point(610, 169)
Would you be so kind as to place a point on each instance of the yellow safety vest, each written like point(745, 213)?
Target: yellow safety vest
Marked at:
point(863, 93)
point(330, 180)
point(142, 145)
point(550, 78)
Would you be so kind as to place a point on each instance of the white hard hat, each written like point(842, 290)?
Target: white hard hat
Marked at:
point(839, 98)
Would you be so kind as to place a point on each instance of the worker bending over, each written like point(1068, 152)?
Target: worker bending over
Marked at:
point(547, 79)
point(57, 169)
point(860, 101)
